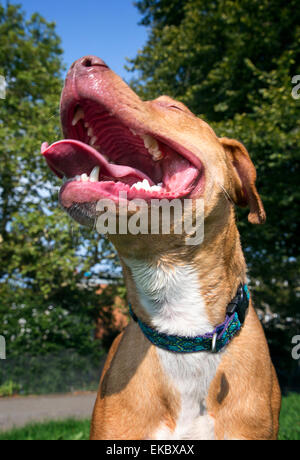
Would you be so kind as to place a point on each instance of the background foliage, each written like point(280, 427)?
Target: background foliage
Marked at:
point(47, 306)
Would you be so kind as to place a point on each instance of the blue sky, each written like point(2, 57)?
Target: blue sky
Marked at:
point(106, 28)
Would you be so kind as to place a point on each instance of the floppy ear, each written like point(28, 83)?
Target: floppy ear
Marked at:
point(245, 189)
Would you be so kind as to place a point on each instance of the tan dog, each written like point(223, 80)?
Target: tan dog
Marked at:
point(159, 149)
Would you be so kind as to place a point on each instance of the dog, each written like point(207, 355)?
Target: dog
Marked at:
point(193, 363)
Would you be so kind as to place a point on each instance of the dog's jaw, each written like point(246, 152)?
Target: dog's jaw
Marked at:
point(116, 143)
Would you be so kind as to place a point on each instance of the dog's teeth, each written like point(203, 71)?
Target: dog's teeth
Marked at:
point(152, 147)
point(150, 142)
point(86, 125)
point(147, 141)
point(146, 186)
point(137, 186)
point(90, 132)
point(84, 178)
point(93, 140)
point(156, 188)
point(79, 115)
point(142, 185)
point(94, 176)
point(78, 178)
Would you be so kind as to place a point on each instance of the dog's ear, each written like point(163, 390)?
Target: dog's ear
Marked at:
point(245, 190)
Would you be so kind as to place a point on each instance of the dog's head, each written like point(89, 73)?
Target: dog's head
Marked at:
point(115, 142)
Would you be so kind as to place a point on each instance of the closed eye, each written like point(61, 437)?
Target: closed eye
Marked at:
point(175, 107)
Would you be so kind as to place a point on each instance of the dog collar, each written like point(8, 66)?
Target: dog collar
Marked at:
point(213, 341)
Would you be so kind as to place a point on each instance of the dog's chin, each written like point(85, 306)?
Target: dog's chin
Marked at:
point(83, 213)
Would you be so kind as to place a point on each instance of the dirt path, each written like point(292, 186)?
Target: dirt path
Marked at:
point(16, 412)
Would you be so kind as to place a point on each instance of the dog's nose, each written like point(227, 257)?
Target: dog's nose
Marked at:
point(88, 61)
point(92, 61)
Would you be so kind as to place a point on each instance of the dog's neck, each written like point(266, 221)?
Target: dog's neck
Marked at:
point(183, 290)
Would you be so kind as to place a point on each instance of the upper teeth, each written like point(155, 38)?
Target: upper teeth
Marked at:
point(152, 147)
point(149, 141)
point(93, 140)
point(79, 115)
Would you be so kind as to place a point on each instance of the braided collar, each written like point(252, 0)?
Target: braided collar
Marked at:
point(213, 341)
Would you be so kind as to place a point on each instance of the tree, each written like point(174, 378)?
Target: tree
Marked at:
point(200, 51)
point(44, 307)
point(232, 63)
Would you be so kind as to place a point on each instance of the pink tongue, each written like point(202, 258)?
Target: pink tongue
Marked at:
point(71, 158)
point(179, 173)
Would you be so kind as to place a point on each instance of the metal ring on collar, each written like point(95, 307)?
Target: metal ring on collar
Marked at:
point(214, 343)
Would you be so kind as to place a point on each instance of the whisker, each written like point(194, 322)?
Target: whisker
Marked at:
point(228, 197)
point(225, 193)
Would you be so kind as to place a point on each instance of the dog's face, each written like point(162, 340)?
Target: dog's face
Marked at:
point(115, 142)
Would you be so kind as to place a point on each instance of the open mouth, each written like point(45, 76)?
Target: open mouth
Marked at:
point(104, 157)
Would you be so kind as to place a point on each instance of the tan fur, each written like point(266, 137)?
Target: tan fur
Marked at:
point(135, 396)
point(244, 397)
point(132, 401)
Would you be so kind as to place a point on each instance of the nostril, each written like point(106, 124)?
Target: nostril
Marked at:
point(92, 61)
point(87, 62)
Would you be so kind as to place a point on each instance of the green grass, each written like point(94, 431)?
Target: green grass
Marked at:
point(77, 430)
point(290, 418)
point(67, 430)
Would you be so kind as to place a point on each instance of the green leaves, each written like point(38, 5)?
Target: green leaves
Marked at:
point(43, 305)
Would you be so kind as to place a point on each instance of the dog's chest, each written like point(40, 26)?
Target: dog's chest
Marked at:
point(172, 297)
point(191, 375)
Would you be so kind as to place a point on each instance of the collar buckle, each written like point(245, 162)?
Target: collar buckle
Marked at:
point(214, 343)
point(239, 304)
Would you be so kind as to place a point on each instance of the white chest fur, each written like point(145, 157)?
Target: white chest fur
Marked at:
point(172, 297)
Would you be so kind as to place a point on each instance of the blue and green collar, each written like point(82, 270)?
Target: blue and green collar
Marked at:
point(213, 341)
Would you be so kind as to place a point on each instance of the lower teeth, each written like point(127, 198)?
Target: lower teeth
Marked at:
point(95, 174)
